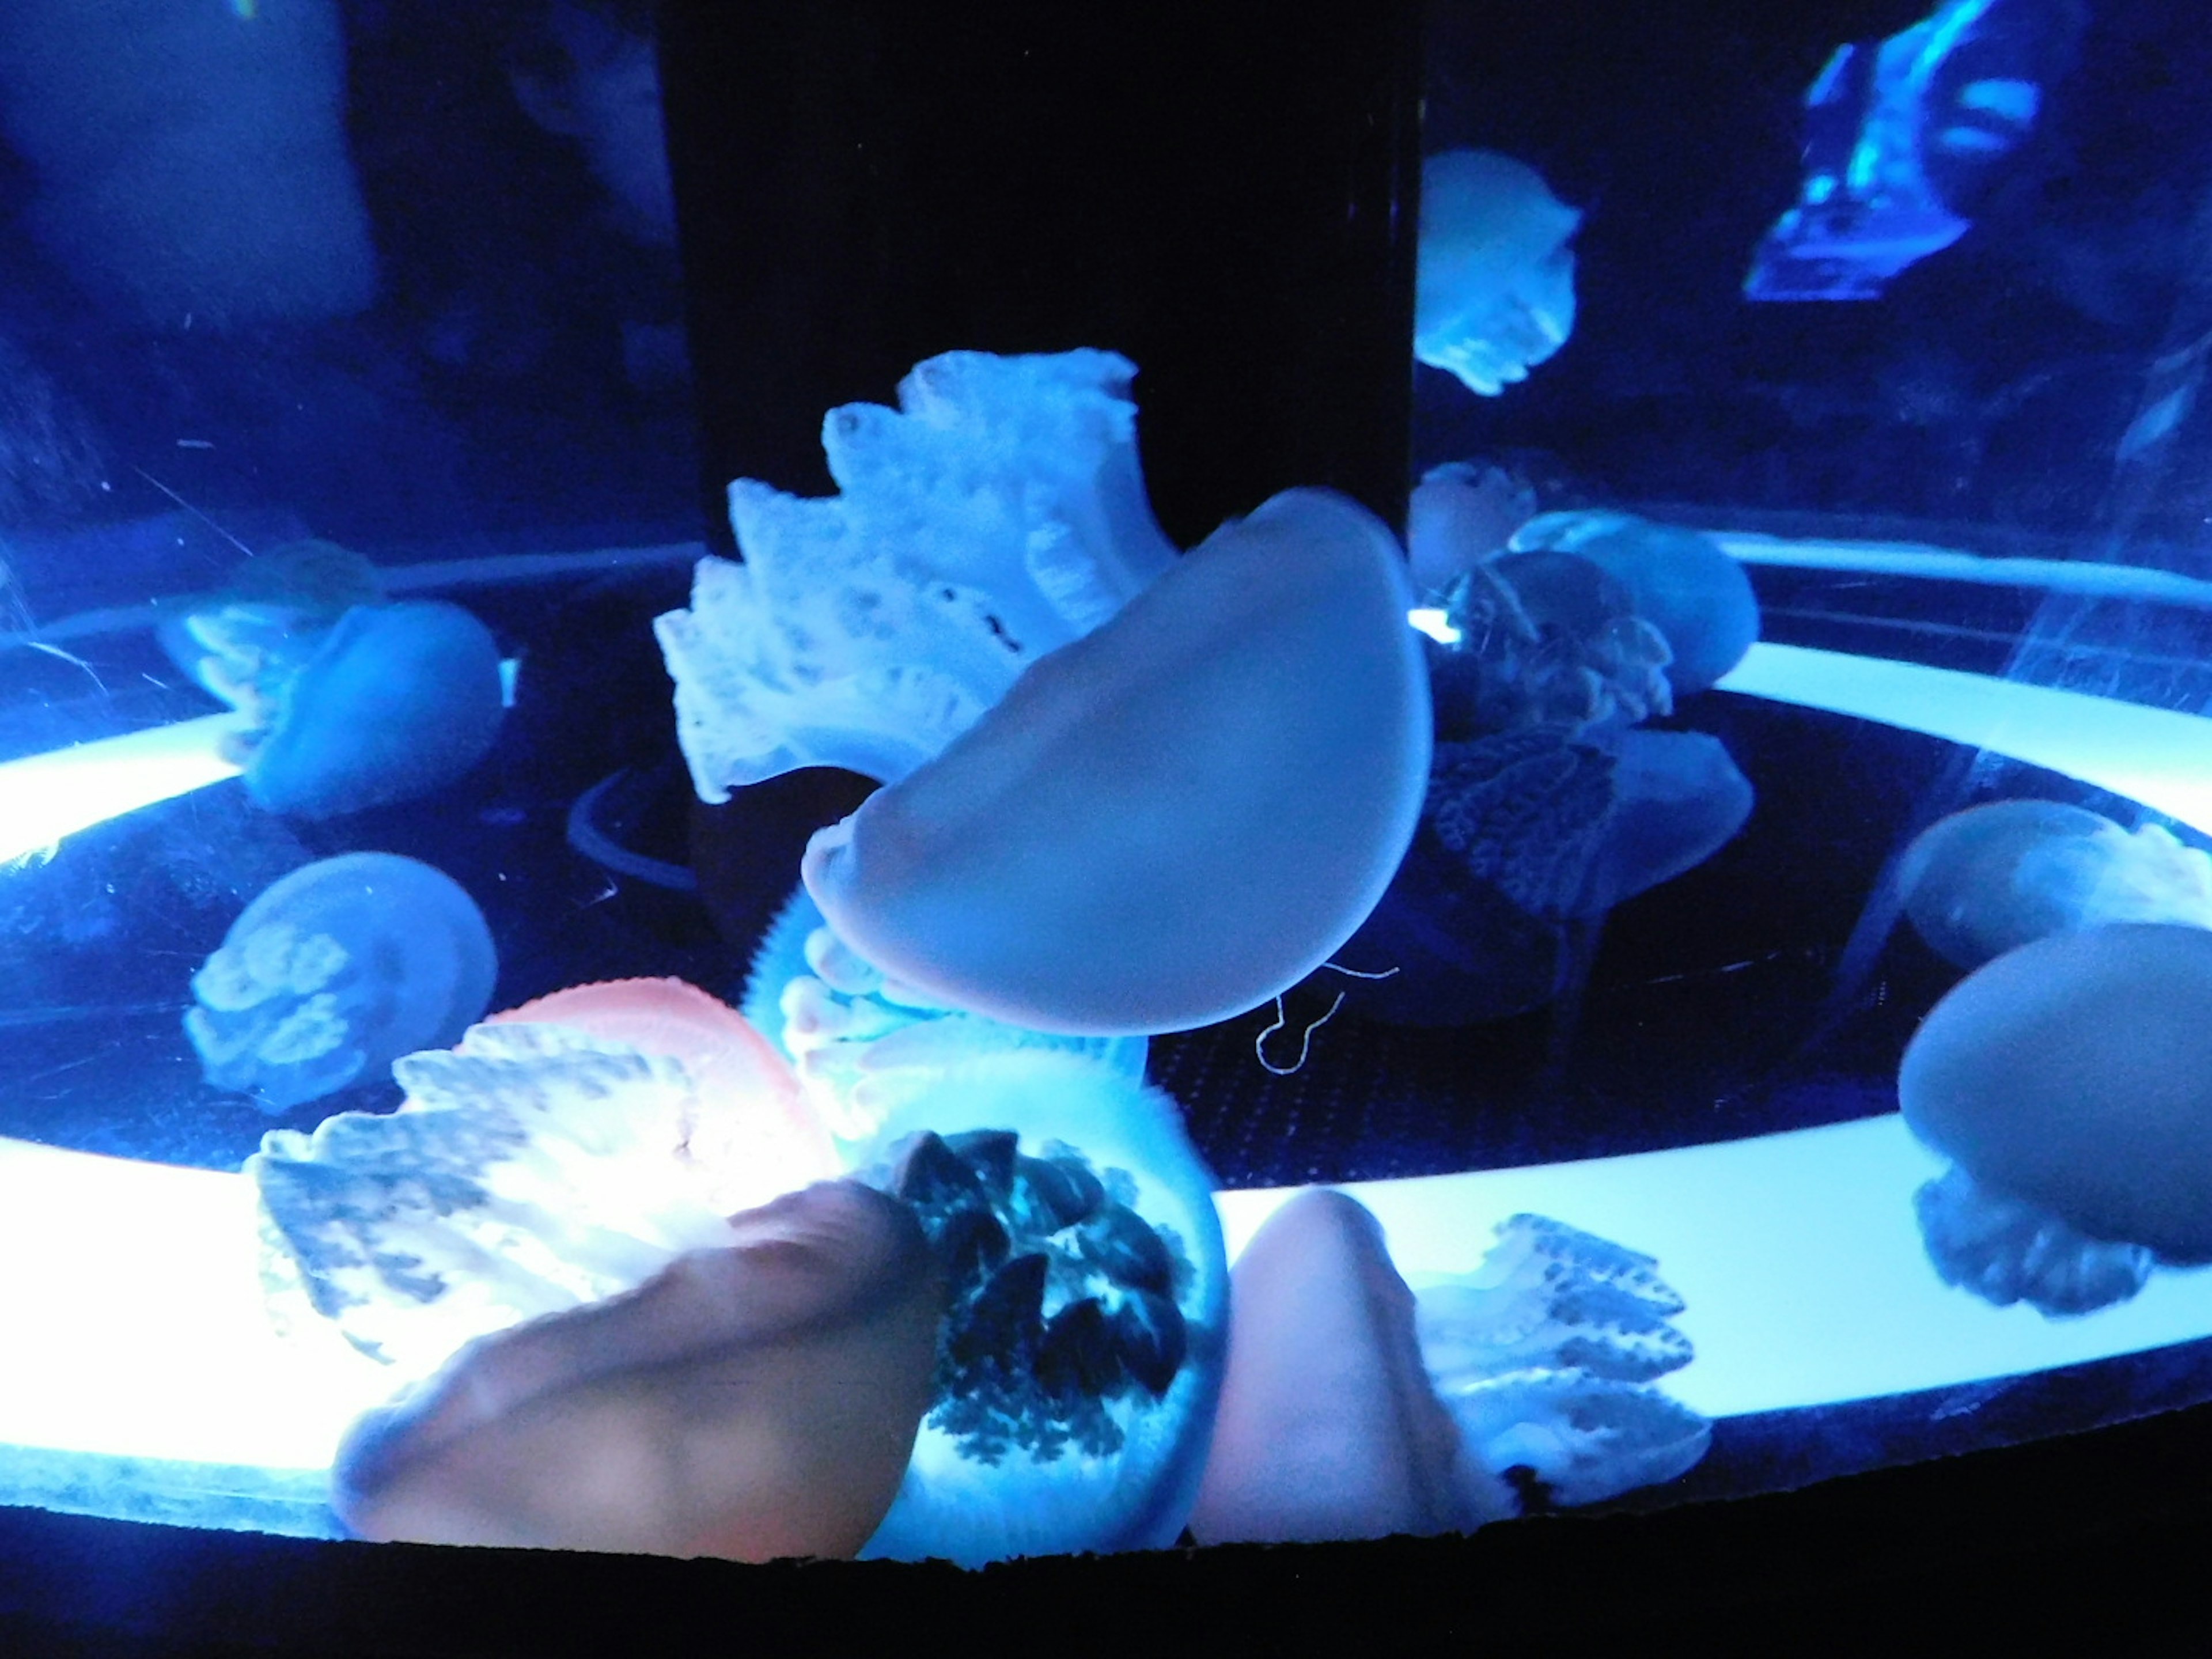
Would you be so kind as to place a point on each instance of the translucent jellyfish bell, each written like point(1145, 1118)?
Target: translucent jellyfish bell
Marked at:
point(1173, 818)
point(335, 972)
point(2073, 1077)
point(1992, 877)
point(1495, 290)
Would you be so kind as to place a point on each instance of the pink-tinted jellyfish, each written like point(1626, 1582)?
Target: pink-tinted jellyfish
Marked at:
point(750, 1128)
point(2073, 1076)
point(751, 1402)
point(1169, 821)
point(1994, 877)
point(335, 972)
point(1329, 1425)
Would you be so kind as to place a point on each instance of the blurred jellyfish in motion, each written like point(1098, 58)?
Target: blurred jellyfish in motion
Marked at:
point(1905, 138)
point(334, 972)
point(348, 701)
point(2070, 1081)
point(1992, 877)
point(1495, 293)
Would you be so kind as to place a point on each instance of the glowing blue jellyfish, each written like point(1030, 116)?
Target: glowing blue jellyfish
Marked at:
point(1995, 877)
point(2070, 1080)
point(1080, 1362)
point(335, 972)
point(859, 1042)
point(1545, 639)
point(381, 704)
point(1681, 583)
point(1496, 288)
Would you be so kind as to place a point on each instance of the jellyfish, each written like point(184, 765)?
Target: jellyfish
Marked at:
point(860, 1041)
point(1079, 1362)
point(395, 702)
point(1525, 835)
point(1330, 1427)
point(1496, 288)
point(1986, 880)
point(2070, 1081)
point(1173, 818)
point(1681, 583)
point(1357, 1404)
point(1545, 639)
point(752, 1401)
point(1460, 515)
point(748, 1128)
point(335, 972)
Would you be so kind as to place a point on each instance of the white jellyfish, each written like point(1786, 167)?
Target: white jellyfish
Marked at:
point(1496, 292)
point(1995, 877)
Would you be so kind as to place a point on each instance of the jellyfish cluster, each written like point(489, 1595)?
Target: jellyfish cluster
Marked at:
point(1548, 801)
point(2065, 1077)
point(347, 700)
point(905, 1250)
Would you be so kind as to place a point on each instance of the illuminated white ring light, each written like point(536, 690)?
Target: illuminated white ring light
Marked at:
point(135, 1329)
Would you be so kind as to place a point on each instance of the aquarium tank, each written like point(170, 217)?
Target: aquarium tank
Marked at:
point(861, 781)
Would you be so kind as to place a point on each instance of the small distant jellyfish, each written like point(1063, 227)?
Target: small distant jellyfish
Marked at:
point(334, 972)
point(1992, 877)
point(1681, 583)
point(2070, 1082)
point(1495, 290)
point(348, 701)
point(1545, 639)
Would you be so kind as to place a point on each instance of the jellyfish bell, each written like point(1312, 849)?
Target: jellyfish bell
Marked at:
point(1681, 582)
point(398, 700)
point(2074, 1073)
point(336, 971)
point(748, 1128)
point(1992, 877)
point(1171, 819)
point(1495, 293)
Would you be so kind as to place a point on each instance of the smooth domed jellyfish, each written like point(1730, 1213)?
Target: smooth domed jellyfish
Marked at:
point(2070, 1081)
point(1172, 819)
point(348, 701)
point(1545, 638)
point(335, 972)
point(1358, 1406)
point(1994, 877)
point(1526, 838)
point(1495, 295)
point(860, 1043)
point(1683, 584)
point(1079, 1366)
point(753, 1400)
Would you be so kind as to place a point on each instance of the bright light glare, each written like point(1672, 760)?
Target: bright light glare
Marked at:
point(1436, 624)
point(2155, 755)
point(44, 799)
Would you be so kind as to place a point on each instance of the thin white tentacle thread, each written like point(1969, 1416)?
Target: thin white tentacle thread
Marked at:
point(1305, 1038)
